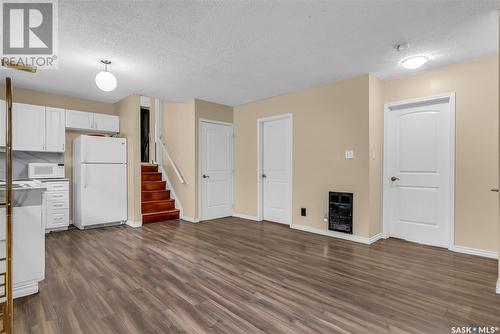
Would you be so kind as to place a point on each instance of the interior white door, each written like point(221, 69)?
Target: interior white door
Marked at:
point(418, 172)
point(276, 170)
point(104, 193)
point(216, 170)
point(56, 130)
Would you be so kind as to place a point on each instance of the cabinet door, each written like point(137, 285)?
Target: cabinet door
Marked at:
point(79, 120)
point(2, 123)
point(28, 127)
point(55, 130)
point(108, 123)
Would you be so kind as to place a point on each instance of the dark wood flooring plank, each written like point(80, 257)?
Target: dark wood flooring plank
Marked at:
point(235, 276)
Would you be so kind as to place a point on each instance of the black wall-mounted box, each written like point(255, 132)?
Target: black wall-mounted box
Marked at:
point(340, 212)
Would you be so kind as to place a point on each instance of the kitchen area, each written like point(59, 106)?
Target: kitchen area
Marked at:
point(55, 187)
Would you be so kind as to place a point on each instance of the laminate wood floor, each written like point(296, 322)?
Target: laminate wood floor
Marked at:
point(236, 276)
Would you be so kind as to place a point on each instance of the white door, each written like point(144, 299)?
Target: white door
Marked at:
point(418, 171)
point(55, 131)
point(28, 127)
point(276, 170)
point(104, 193)
point(216, 170)
point(107, 123)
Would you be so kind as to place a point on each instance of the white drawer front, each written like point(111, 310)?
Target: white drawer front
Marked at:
point(57, 186)
point(57, 218)
point(55, 205)
point(57, 196)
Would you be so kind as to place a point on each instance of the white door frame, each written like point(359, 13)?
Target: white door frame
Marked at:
point(388, 107)
point(260, 160)
point(200, 181)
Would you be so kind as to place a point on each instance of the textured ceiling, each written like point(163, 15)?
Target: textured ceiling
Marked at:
point(236, 52)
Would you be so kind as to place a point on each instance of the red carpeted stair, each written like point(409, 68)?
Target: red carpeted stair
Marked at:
point(156, 203)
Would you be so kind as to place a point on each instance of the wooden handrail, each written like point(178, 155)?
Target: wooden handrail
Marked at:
point(171, 161)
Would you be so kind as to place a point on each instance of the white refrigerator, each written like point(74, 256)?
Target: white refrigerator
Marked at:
point(99, 181)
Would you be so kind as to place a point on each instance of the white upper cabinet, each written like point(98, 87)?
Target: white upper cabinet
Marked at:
point(2, 123)
point(107, 123)
point(55, 130)
point(88, 121)
point(28, 124)
point(79, 120)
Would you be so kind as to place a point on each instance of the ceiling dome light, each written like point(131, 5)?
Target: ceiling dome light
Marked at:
point(105, 80)
point(412, 63)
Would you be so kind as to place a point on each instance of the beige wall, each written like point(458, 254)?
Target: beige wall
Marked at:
point(180, 132)
point(327, 120)
point(129, 111)
point(178, 135)
point(29, 96)
point(376, 134)
point(476, 148)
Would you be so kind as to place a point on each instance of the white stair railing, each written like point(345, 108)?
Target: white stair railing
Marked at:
point(170, 161)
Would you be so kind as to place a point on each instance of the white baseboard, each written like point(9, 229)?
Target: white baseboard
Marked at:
point(24, 290)
point(339, 235)
point(248, 217)
point(498, 287)
point(133, 224)
point(376, 237)
point(190, 219)
point(474, 251)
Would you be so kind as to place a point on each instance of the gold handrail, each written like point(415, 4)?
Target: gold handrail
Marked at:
point(9, 303)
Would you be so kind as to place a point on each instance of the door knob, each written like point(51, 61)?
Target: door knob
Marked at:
point(394, 178)
point(264, 176)
point(205, 176)
point(495, 190)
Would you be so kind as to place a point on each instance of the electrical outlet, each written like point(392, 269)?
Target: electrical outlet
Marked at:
point(303, 212)
point(349, 154)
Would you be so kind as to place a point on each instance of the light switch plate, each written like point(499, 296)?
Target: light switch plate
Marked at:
point(349, 154)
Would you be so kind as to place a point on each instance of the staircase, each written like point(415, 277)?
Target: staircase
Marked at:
point(156, 204)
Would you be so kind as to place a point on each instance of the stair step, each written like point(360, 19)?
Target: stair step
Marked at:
point(151, 176)
point(157, 206)
point(153, 185)
point(155, 195)
point(149, 168)
point(160, 216)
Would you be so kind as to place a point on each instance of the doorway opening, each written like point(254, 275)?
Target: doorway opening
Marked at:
point(144, 134)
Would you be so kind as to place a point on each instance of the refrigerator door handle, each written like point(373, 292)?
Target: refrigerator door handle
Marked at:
point(85, 176)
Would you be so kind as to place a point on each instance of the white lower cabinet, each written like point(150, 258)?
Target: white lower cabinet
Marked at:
point(28, 249)
point(56, 205)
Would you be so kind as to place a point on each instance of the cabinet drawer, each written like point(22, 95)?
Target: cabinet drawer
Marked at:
point(57, 196)
point(57, 186)
point(54, 205)
point(57, 218)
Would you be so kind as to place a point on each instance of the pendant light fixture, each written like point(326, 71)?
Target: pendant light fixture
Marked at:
point(105, 80)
